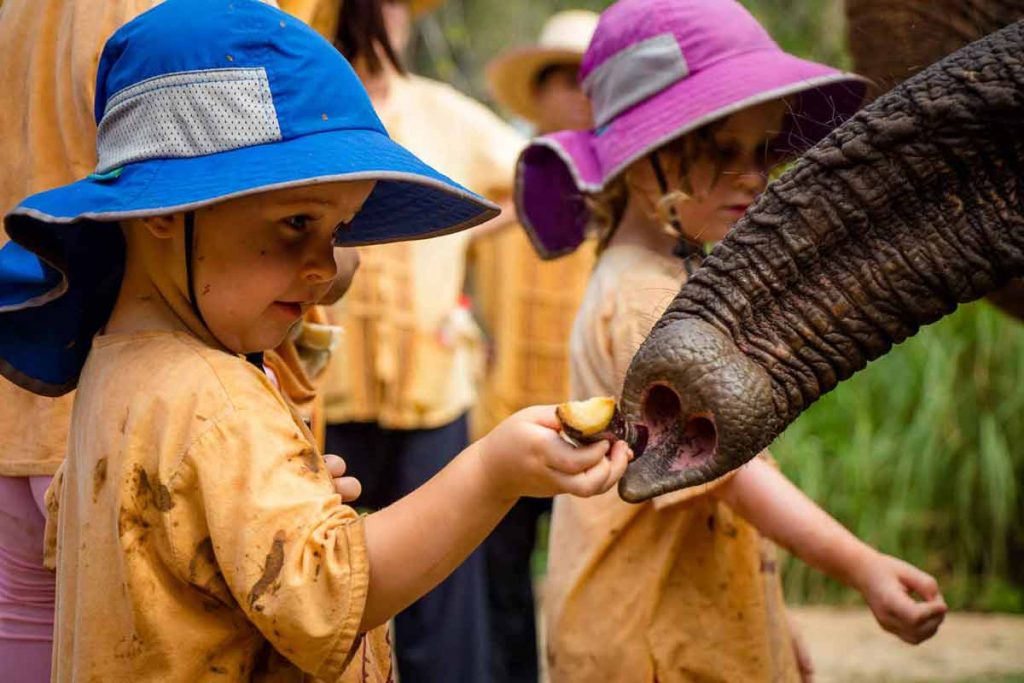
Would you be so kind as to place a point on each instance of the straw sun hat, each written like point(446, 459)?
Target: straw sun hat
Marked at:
point(563, 40)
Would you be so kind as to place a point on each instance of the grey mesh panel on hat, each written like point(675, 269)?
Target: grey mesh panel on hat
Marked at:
point(633, 75)
point(187, 114)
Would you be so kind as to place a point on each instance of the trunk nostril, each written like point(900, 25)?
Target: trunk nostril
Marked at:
point(661, 408)
point(700, 436)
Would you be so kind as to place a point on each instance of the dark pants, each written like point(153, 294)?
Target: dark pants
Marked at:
point(444, 636)
point(510, 593)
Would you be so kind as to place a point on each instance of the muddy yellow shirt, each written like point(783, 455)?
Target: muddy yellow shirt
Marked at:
point(49, 53)
point(673, 590)
point(198, 534)
point(410, 358)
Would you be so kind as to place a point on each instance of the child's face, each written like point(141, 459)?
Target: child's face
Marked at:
point(261, 261)
point(743, 143)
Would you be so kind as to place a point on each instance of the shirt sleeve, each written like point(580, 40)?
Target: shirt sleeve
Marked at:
point(291, 554)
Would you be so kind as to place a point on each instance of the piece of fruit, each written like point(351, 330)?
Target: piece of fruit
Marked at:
point(599, 419)
point(585, 420)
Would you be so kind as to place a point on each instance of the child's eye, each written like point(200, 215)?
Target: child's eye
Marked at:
point(299, 222)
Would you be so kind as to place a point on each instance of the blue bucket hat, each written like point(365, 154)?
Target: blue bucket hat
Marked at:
point(199, 101)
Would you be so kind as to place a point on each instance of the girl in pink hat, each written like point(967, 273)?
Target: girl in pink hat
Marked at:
point(694, 106)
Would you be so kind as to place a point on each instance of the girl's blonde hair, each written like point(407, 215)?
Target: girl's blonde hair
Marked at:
point(607, 207)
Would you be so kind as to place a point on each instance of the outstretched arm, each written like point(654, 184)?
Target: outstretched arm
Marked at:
point(418, 541)
point(779, 510)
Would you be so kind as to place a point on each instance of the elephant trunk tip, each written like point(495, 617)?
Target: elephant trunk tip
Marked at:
point(680, 447)
point(707, 406)
point(686, 440)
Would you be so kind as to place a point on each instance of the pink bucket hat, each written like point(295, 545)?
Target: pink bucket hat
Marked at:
point(655, 71)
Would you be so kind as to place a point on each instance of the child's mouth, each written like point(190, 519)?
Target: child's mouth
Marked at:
point(289, 308)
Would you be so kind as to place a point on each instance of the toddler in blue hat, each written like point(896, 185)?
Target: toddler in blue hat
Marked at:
point(198, 531)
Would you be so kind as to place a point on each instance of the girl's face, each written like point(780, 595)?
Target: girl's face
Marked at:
point(723, 188)
point(260, 262)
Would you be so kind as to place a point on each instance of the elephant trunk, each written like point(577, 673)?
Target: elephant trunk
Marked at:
point(912, 207)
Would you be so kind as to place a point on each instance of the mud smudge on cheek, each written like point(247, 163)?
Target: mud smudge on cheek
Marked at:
point(271, 570)
point(99, 478)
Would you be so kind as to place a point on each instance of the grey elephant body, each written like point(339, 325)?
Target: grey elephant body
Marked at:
point(912, 207)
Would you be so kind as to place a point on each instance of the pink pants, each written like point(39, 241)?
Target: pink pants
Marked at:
point(26, 587)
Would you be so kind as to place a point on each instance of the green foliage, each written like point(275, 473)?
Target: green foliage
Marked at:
point(922, 455)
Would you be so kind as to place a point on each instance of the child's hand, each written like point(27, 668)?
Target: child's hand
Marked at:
point(525, 456)
point(348, 488)
point(888, 584)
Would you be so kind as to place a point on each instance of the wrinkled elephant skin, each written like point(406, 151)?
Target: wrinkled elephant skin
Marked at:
point(912, 207)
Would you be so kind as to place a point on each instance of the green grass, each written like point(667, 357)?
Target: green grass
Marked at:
point(922, 455)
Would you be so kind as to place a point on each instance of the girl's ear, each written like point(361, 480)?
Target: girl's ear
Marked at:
point(161, 227)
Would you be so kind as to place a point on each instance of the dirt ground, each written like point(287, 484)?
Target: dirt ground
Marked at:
point(847, 646)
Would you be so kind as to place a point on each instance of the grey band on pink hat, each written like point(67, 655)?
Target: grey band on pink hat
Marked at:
point(634, 74)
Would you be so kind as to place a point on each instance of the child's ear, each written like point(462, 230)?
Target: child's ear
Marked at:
point(161, 227)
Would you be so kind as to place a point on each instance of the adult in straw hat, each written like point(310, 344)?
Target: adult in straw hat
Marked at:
point(528, 305)
point(538, 82)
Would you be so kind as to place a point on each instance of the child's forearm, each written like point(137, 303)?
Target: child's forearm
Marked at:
point(419, 540)
point(779, 510)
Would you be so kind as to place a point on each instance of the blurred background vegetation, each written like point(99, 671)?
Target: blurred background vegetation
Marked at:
point(922, 454)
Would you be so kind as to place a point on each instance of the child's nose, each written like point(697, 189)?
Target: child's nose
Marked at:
point(321, 267)
point(752, 178)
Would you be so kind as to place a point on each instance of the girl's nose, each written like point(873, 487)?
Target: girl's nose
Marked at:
point(751, 178)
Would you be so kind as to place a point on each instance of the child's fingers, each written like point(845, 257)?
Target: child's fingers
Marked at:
point(567, 459)
point(918, 581)
point(348, 488)
point(335, 465)
point(541, 415)
point(588, 483)
point(619, 459)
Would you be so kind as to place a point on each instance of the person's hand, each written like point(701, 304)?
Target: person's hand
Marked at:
point(348, 488)
point(525, 456)
point(803, 656)
point(890, 585)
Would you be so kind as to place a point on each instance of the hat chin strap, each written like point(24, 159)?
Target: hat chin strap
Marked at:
point(190, 233)
point(684, 248)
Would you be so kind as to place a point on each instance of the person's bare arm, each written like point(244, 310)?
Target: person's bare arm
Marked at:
point(768, 500)
point(419, 540)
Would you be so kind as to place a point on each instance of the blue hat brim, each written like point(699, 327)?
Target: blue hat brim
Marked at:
point(59, 281)
point(410, 201)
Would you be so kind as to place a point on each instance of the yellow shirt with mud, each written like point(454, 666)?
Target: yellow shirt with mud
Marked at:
point(673, 590)
point(50, 50)
point(197, 529)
